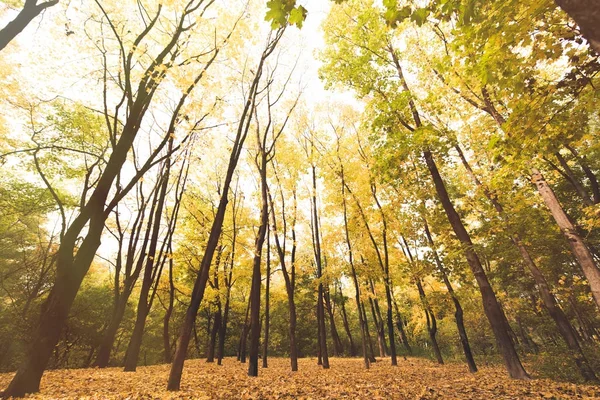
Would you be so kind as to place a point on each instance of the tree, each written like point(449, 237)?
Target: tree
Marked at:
point(31, 9)
point(215, 232)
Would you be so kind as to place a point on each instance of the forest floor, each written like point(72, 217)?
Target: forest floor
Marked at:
point(412, 379)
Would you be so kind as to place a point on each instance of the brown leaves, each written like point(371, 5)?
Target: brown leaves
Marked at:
point(413, 379)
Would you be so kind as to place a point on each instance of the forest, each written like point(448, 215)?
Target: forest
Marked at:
point(266, 199)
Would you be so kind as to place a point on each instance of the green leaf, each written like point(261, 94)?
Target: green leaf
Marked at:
point(297, 16)
point(419, 16)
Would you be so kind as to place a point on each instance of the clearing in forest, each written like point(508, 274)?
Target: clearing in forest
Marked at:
point(412, 379)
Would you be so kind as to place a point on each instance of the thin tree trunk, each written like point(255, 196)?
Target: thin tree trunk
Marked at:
point(244, 335)
point(361, 318)
point(167, 318)
point(458, 311)
point(215, 232)
point(431, 322)
point(337, 342)
point(229, 280)
point(400, 326)
point(267, 301)
point(212, 341)
point(318, 261)
point(366, 322)
point(491, 306)
point(150, 274)
point(346, 324)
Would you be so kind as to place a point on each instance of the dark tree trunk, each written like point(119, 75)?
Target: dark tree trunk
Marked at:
point(289, 276)
point(265, 363)
point(361, 318)
point(346, 324)
point(400, 326)
point(167, 349)
point(491, 306)
point(378, 320)
point(30, 10)
point(337, 342)
point(152, 271)
point(210, 353)
point(215, 232)
point(318, 261)
point(458, 311)
point(586, 14)
point(244, 335)
point(431, 322)
point(366, 322)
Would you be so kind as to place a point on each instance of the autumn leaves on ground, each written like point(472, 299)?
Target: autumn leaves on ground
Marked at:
point(411, 379)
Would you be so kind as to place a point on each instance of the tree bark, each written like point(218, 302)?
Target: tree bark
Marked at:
point(586, 14)
point(337, 342)
point(361, 320)
point(265, 363)
point(30, 10)
point(458, 311)
point(346, 324)
point(576, 242)
point(491, 306)
point(215, 232)
point(318, 262)
point(151, 272)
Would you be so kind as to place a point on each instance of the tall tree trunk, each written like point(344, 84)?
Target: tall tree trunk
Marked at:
point(215, 232)
point(383, 350)
point(267, 301)
point(244, 335)
point(361, 318)
point(132, 274)
point(74, 256)
point(229, 279)
point(167, 318)
point(400, 326)
point(346, 324)
point(491, 306)
point(318, 261)
point(337, 342)
point(431, 322)
point(380, 330)
point(458, 311)
point(587, 15)
point(363, 310)
point(576, 242)
point(150, 273)
point(289, 276)
point(212, 341)
point(30, 10)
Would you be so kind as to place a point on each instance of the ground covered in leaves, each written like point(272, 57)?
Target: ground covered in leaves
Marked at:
point(412, 379)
